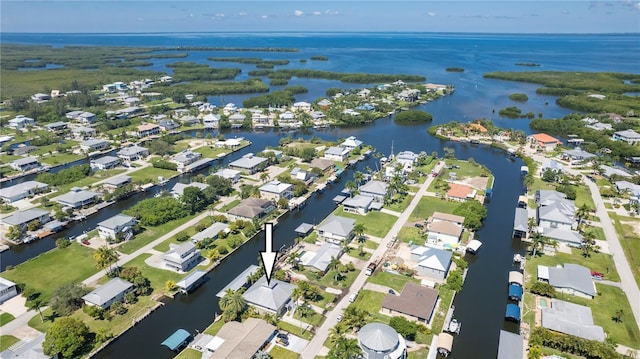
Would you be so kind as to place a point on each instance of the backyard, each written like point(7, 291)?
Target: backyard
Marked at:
point(376, 224)
point(428, 205)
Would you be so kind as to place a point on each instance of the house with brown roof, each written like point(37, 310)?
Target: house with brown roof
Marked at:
point(460, 192)
point(439, 216)
point(250, 209)
point(322, 164)
point(148, 129)
point(414, 303)
point(476, 127)
point(240, 340)
point(543, 142)
point(444, 232)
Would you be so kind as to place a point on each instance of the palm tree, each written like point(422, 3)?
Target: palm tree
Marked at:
point(358, 230)
point(264, 177)
point(358, 177)
point(337, 332)
point(232, 304)
point(352, 187)
point(333, 264)
point(538, 241)
point(532, 223)
point(105, 257)
point(294, 260)
point(582, 213)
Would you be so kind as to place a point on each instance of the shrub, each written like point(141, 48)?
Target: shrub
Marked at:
point(404, 327)
point(182, 237)
point(62, 243)
point(519, 97)
point(544, 289)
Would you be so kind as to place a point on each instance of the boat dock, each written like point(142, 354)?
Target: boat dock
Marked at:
point(239, 281)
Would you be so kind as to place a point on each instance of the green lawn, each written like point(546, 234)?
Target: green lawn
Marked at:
point(189, 353)
point(294, 329)
point(371, 244)
point(529, 314)
point(211, 152)
point(54, 268)
point(6, 318)
point(411, 234)
point(36, 323)
point(400, 205)
point(151, 174)
point(371, 302)
point(282, 353)
point(418, 354)
point(446, 296)
point(214, 328)
point(583, 196)
point(314, 318)
point(313, 237)
point(150, 234)
point(86, 182)
point(328, 280)
point(395, 281)
point(323, 299)
point(466, 170)
point(376, 224)
point(630, 243)
point(598, 232)
point(6, 341)
point(157, 277)
point(59, 158)
point(599, 262)
point(229, 206)
point(428, 205)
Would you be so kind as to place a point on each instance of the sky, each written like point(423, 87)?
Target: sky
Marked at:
point(512, 16)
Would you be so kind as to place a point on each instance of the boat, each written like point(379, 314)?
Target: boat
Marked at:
point(473, 246)
point(517, 258)
point(454, 326)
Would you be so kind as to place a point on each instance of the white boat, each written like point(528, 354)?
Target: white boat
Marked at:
point(517, 258)
point(454, 326)
point(473, 246)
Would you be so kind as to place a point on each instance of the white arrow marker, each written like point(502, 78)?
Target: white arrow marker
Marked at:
point(268, 256)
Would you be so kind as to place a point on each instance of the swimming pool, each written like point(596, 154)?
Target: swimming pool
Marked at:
point(543, 303)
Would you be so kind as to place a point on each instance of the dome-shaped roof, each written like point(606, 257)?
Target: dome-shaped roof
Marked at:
point(378, 337)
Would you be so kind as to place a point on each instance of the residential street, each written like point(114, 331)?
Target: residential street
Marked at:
point(315, 346)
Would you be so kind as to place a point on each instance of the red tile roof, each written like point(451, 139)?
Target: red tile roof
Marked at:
point(459, 191)
point(543, 138)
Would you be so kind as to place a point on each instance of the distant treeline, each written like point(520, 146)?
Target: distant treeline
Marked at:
point(454, 69)
point(361, 78)
point(277, 98)
point(247, 49)
point(190, 71)
point(319, 58)
point(252, 61)
point(528, 64)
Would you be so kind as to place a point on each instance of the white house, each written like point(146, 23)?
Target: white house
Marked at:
point(432, 262)
point(374, 188)
point(249, 164)
point(20, 122)
point(351, 143)
point(24, 164)
point(133, 153)
point(301, 106)
point(232, 175)
point(211, 121)
point(185, 158)
point(629, 136)
point(573, 279)
point(407, 158)
point(93, 145)
point(22, 218)
point(336, 229)
point(105, 162)
point(210, 232)
point(82, 133)
point(76, 198)
point(178, 188)
point(109, 293)
point(338, 154)
point(358, 204)
point(148, 129)
point(443, 233)
point(181, 257)
point(56, 126)
point(114, 226)
point(8, 290)
point(22, 190)
point(275, 190)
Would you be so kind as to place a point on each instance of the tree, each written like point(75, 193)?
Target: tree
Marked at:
point(544, 289)
point(337, 332)
point(68, 298)
point(307, 154)
point(345, 349)
point(538, 241)
point(534, 352)
point(169, 285)
point(333, 264)
point(532, 223)
point(67, 337)
point(294, 260)
point(36, 303)
point(304, 310)
point(351, 186)
point(358, 230)
point(193, 199)
point(283, 203)
point(232, 305)
point(404, 327)
point(105, 257)
point(14, 232)
point(264, 176)
point(358, 177)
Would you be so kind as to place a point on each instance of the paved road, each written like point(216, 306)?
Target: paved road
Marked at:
point(322, 333)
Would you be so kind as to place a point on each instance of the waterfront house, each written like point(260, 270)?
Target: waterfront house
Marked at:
point(120, 224)
point(573, 319)
point(188, 120)
point(551, 165)
point(76, 198)
point(185, 158)
point(249, 164)
point(409, 95)
point(167, 125)
point(543, 142)
point(336, 229)
point(432, 262)
point(105, 162)
point(351, 143)
point(544, 197)
point(443, 233)
point(210, 232)
point(570, 238)
point(460, 192)
point(600, 126)
point(324, 103)
point(573, 279)
point(191, 281)
point(231, 175)
point(82, 133)
point(338, 154)
point(322, 164)
point(237, 118)
point(510, 345)
point(380, 341)
point(629, 136)
point(577, 156)
point(275, 190)
point(181, 257)
point(407, 159)
point(415, 302)
point(19, 122)
point(94, 144)
point(23, 150)
point(558, 214)
point(24, 164)
point(520, 223)
point(113, 183)
point(240, 340)
point(133, 153)
point(211, 121)
point(22, 190)
point(250, 209)
point(439, 216)
point(231, 143)
point(364, 93)
point(178, 189)
point(8, 290)
point(276, 153)
point(321, 259)
point(56, 126)
point(82, 117)
point(269, 298)
point(359, 204)
point(148, 129)
point(21, 219)
point(608, 171)
point(108, 293)
point(301, 106)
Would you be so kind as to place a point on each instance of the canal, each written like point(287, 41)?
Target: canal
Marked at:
point(487, 273)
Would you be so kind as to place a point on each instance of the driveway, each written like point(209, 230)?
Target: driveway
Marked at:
point(296, 344)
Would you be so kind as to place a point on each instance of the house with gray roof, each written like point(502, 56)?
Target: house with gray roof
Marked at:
point(114, 226)
point(105, 162)
point(94, 144)
point(181, 257)
point(105, 295)
point(24, 164)
point(374, 188)
point(231, 175)
point(577, 156)
point(275, 190)
point(351, 143)
point(432, 262)
point(249, 164)
point(22, 190)
point(551, 165)
point(210, 232)
point(270, 298)
point(571, 238)
point(185, 158)
point(336, 229)
point(553, 216)
point(629, 136)
point(359, 204)
point(8, 290)
point(380, 341)
point(178, 189)
point(520, 223)
point(322, 258)
point(609, 171)
point(133, 153)
point(572, 279)
point(251, 208)
point(510, 345)
point(573, 319)
point(407, 159)
point(22, 218)
point(20, 122)
point(116, 182)
point(338, 154)
point(56, 126)
point(82, 133)
point(76, 198)
point(545, 197)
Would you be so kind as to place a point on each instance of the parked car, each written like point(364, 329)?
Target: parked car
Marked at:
point(392, 292)
point(597, 275)
point(283, 342)
point(339, 318)
point(283, 334)
point(418, 225)
point(353, 297)
point(434, 174)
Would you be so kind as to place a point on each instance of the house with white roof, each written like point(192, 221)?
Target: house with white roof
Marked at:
point(270, 298)
point(321, 259)
point(275, 190)
point(82, 133)
point(210, 232)
point(211, 121)
point(572, 279)
point(374, 188)
point(94, 144)
point(358, 204)
point(249, 164)
point(338, 154)
point(133, 153)
point(573, 319)
point(629, 136)
point(76, 198)
point(113, 183)
point(558, 214)
point(56, 126)
point(351, 143)
point(108, 293)
point(432, 262)
point(324, 103)
point(21, 219)
point(232, 175)
point(8, 290)
point(22, 190)
point(20, 122)
point(178, 189)
point(116, 225)
point(577, 156)
point(185, 158)
point(570, 238)
point(24, 164)
point(105, 162)
point(407, 158)
point(336, 229)
point(181, 257)
point(301, 106)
